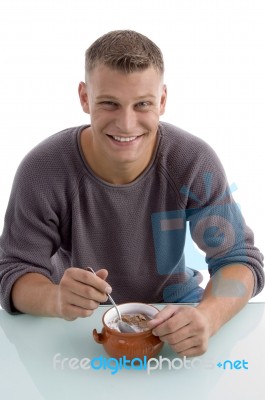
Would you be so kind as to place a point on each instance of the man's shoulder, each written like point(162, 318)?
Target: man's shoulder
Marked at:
point(59, 142)
point(175, 136)
point(182, 151)
point(178, 143)
point(53, 149)
point(56, 157)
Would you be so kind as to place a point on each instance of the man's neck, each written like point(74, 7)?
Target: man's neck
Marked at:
point(116, 174)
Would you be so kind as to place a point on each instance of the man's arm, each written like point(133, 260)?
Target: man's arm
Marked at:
point(188, 329)
point(226, 294)
point(77, 295)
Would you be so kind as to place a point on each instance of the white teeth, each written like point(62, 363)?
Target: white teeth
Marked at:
point(124, 139)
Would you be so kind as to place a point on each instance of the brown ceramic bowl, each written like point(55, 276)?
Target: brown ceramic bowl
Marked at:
point(131, 345)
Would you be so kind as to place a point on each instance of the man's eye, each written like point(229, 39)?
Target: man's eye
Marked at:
point(143, 104)
point(108, 104)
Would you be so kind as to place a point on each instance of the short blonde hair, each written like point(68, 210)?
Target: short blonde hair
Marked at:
point(124, 50)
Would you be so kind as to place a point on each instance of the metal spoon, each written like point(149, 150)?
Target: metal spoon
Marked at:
point(123, 326)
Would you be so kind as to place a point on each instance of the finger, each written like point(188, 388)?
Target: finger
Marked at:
point(162, 316)
point(94, 280)
point(175, 337)
point(185, 323)
point(186, 344)
point(184, 340)
point(87, 292)
point(71, 312)
point(84, 284)
point(102, 273)
point(100, 283)
point(191, 351)
point(82, 302)
point(175, 322)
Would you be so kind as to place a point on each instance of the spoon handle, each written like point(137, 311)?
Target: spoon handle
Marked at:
point(115, 305)
point(109, 296)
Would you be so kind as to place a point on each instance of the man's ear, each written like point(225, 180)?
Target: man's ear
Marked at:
point(82, 91)
point(163, 100)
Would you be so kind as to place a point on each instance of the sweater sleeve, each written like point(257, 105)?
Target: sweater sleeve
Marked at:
point(216, 223)
point(203, 195)
point(221, 233)
point(36, 212)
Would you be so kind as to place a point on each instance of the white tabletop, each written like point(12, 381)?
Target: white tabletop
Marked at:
point(28, 346)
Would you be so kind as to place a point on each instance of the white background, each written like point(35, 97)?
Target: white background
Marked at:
point(214, 52)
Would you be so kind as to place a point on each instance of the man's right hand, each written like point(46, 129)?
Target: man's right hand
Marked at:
point(80, 292)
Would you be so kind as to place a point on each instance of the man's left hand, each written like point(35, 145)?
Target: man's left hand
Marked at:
point(185, 328)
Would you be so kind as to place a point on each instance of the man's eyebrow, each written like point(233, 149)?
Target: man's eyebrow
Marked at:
point(110, 97)
point(106, 96)
point(147, 96)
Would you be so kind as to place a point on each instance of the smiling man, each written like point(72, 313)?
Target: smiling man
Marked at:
point(116, 195)
point(125, 110)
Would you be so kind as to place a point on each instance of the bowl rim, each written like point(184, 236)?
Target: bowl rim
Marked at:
point(133, 334)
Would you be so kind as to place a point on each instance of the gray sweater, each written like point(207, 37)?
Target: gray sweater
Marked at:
point(60, 214)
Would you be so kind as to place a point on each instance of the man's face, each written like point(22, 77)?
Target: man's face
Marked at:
point(125, 111)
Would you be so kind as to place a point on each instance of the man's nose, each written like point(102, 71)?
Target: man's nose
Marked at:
point(126, 120)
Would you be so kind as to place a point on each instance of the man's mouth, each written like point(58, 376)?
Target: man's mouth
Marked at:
point(123, 139)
